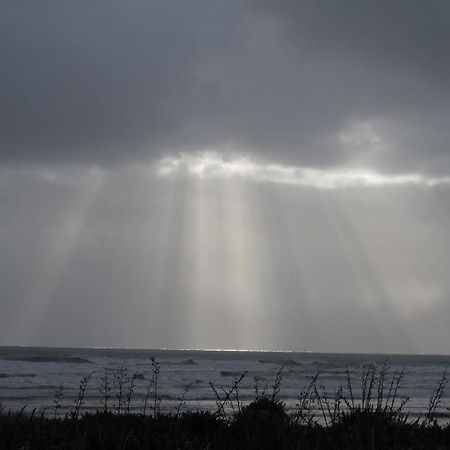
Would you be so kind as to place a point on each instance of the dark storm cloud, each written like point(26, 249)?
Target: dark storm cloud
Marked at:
point(384, 34)
point(107, 82)
point(390, 59)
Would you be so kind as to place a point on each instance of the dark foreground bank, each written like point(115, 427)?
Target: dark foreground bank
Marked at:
point(263, 424)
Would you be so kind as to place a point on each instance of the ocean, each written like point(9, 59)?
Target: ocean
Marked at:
point(30, 377)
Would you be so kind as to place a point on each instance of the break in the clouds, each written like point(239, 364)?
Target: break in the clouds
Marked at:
point(212, 165)
point(307, 83)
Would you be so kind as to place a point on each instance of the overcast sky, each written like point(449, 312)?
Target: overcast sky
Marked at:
point(225, 174)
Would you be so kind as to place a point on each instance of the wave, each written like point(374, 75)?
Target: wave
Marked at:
point(185, 362)
point(36, 388)
point(281, 362)
point(246, 374)
point(56, 359)
point(230, 373)
point(17, 375)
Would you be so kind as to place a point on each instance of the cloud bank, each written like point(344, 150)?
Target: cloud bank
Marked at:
point(107, 83)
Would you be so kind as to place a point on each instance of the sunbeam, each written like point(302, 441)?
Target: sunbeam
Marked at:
point(62, 239)
point(198, 260)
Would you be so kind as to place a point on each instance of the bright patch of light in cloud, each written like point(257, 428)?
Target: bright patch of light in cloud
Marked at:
point(214, 165)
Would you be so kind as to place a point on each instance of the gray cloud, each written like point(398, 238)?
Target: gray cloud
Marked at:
point(384, 35)
point(110, 83)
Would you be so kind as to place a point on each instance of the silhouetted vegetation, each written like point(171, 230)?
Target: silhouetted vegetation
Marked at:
point(374, 420)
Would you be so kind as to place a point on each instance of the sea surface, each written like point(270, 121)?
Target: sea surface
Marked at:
point(30, 377)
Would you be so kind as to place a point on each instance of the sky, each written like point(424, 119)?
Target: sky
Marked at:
point(225, 174)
